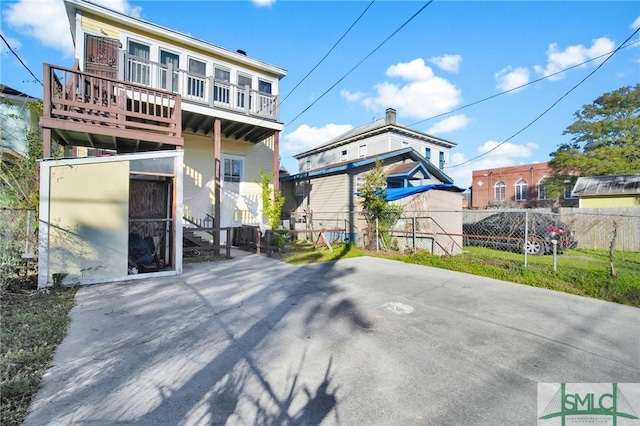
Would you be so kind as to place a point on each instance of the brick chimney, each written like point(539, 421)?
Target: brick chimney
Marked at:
point(390, 116)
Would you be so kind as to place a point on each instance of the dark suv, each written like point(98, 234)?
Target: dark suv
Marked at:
point(506, 231)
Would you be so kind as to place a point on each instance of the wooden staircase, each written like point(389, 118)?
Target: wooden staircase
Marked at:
point(197, 238)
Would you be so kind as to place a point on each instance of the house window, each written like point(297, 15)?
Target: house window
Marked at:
point(138, 66)
point(359, 183)
point(222, 78)
point(343, 155)
point(169, 81)
point(232, 169)
point(521, 190)
point(405, 144)
point(300, 189)
point(500, 192)
point(264, 86)
point(244, 91)
point(362, 151)
point(441, 160)
point(427, 154)
point(197, 78)
point(308, 164)
point(542, 190)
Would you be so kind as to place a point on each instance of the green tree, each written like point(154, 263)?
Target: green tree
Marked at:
point(19, 191)
point(606, 139)
point(20, 177)
point(272, 201)
point(376, 207)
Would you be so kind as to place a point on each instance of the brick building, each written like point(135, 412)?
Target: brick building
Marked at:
point(521, 186)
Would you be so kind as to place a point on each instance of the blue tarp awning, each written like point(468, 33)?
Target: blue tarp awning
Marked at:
point(398, 193)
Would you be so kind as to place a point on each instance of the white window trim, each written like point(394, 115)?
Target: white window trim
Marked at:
point(542, 184)
point(245, 75)
point(521, 196)
point(233, 157)
point(362, 151)
point(344, 155)
point(266, 80)
point(358, 182)
point(504, 188)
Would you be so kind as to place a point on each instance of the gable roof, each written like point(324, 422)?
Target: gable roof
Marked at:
point(399, 154)
point(607, 185)
point(374, 128)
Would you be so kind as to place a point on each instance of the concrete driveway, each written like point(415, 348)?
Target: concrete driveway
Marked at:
point(365, 341)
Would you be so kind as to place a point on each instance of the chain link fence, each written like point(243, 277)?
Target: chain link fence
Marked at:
point(528, 232)
point(18, 243)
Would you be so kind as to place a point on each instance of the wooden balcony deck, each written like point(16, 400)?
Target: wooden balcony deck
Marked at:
point(90, 110)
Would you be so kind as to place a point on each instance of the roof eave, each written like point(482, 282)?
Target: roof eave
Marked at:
point(391, 128)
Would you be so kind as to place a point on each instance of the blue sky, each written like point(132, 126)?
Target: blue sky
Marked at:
point(451, 54)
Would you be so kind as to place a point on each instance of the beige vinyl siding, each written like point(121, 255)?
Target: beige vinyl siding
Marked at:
point(609, 201)
point(94, 26)
point(328, 198)
point(198, 171)
point(89, 238)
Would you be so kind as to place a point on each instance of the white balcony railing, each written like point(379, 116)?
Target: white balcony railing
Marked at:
point(199, 88)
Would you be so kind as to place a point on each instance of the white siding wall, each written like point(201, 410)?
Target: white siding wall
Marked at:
point(375, 145)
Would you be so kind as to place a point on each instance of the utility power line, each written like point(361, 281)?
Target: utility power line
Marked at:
point(19, 59)
point(327, 54)
point(552, 105)
point(522, 85)
point(361, 61)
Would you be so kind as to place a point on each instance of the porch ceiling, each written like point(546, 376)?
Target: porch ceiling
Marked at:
point(110, 142)
point(193, 122)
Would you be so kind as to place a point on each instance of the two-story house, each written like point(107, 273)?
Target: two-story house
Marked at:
point(378, 137)
point(329, 176)
point(188, 124)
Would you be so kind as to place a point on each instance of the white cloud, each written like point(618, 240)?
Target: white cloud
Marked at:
point(423, 95)
point(509, 78)
point(263, 3)
point(47, 22)
point(505, 155)
point(573, 55)
point(449, 63)
point(352, 96)
point(636, 24)
point(120, 6)
point(449, 124)
point(414, 70)
point(306, 137)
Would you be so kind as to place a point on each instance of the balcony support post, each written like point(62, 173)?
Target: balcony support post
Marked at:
point(217, 142)
point(46, 109)
point(276, 161)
